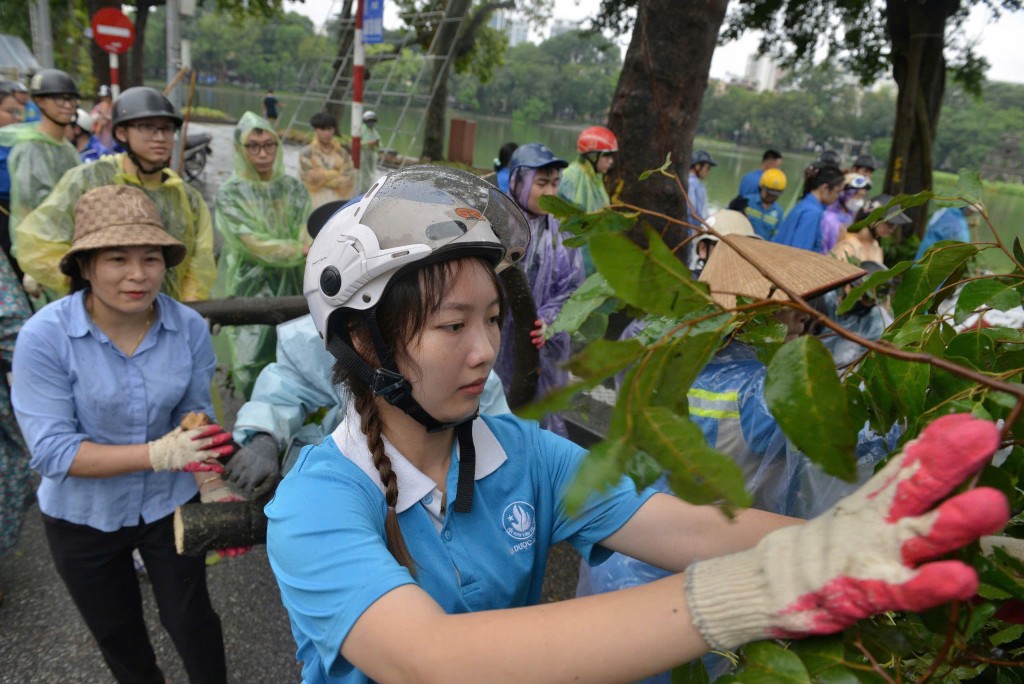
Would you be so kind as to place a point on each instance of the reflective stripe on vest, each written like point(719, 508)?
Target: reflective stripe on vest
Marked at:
point(713, 404)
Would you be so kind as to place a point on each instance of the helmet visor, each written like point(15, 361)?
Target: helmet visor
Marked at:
point(439, 206)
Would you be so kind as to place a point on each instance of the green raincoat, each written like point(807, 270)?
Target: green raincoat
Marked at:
point(36, 163)
point(263, 224)
point(584, 187)
point(44, 237)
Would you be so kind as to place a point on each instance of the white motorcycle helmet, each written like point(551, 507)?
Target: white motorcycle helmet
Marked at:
point(412, 217)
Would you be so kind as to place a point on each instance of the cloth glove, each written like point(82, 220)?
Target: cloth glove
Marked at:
point(224, 494)
point(864, 555)
point(538, 334)
point(191, 450)
point(254, 463)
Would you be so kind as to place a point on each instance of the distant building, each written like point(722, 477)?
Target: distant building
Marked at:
point(516, 29)
point(762, 73)
point(560, 26)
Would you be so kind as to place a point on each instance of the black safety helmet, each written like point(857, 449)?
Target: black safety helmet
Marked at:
point(49, 82)
point(142, 102)
point(866, 161)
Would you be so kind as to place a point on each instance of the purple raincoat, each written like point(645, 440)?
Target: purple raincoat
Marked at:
point(554, 271)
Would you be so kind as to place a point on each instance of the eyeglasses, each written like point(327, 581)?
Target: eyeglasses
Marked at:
point(65, 99)
point(149, 130)
point(256, 148)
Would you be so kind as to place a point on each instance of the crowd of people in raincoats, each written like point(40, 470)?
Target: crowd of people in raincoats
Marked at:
point(59, 171)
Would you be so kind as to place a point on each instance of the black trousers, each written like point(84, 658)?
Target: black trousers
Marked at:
point(98, 571)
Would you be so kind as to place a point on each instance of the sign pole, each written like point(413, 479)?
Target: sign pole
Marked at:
point(358, 61)
point(115, 80)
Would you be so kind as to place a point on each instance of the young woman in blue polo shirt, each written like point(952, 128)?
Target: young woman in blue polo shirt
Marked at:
point(102, 379)
point(410, 545)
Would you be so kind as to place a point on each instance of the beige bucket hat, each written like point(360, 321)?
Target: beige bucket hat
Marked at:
point(730, 271)
point(119, 216)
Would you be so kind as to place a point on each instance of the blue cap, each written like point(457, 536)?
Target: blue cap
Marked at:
point(701, 157)
point(534, 156)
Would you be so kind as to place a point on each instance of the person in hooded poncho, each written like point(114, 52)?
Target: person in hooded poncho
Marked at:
point(553, 270)
point(39, 154)
point(261, 214)
point(583, 181)
point(144, 121)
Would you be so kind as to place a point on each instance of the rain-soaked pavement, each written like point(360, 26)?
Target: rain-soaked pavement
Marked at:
point(44, 641)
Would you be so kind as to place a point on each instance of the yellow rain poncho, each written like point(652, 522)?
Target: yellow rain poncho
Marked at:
point(263, 224)
point(36, 163)
point(45, 234)
point(583, 186)
point(330, 175)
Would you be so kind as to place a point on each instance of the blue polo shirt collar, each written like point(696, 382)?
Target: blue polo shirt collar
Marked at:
point(80, 325)
point(413, 485)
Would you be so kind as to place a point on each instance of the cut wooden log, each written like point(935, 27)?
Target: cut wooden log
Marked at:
point(199, 527)
point(251, 310)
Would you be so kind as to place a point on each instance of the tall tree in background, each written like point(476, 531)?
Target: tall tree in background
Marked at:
point(910, 37)
point(658, 97)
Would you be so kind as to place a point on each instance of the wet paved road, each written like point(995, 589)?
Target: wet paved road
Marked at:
point(44, 641)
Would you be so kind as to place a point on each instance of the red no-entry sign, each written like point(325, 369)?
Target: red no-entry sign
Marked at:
point(112, 30)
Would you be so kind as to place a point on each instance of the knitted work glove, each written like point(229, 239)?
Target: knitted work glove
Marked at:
point(254, 463)
point(864, 556)
point(191, 450)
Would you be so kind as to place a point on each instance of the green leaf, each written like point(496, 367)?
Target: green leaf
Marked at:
point(769, 663)
point(1018, 250)
point(909, 382)
point(652, 279)
point(665, 374)
point(980, 614)
point(824, 659)
point(1007, 635)
point(969, 186)
point(895, 205)
point(974, 346)
point(913, 290)
point(697, 473)
point(597, 362)
point(665, 168)
point(585, 226)
point(594, 292)
point(558, 206)
point(601, 469)
point(806, 397)
point(989, 293)
point(884, 640)
point(595, 327)
point(870, 284)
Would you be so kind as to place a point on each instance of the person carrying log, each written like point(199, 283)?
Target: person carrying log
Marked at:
point(102, 380)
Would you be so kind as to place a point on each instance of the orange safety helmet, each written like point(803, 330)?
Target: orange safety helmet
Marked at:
point(597, 139)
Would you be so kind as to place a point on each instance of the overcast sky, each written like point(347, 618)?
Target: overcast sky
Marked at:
point(998, 42)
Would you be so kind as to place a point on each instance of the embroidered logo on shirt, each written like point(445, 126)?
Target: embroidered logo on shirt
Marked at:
point(519, 520)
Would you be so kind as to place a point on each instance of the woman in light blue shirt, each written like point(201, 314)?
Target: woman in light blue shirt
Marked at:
point(102, 380)
point(411, 544)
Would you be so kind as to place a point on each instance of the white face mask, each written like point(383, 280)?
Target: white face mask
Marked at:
point(855, 205)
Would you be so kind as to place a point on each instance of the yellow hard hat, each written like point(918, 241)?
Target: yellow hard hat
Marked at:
point(773, 179)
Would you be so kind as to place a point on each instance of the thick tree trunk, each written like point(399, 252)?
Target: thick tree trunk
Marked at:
point(346, 34)
point(134, 74)
point(658, 98)
point(917, 31)
point(447, 32)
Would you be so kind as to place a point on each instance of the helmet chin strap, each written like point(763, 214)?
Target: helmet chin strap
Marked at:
point(140, 167)
point(388, 383)
point(59, 123)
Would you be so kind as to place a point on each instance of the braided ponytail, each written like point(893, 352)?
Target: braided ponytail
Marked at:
point(373, 429)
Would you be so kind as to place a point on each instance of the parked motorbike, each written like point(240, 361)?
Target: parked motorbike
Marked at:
point(197, 149)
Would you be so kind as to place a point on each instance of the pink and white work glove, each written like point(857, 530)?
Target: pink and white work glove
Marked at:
point(191, 450)
point(865, 555)
point(225, 493)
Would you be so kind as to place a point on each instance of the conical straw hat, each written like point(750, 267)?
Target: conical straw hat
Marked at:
point(729, 273)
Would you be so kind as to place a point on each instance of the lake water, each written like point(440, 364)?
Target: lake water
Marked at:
point(1006, 209)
